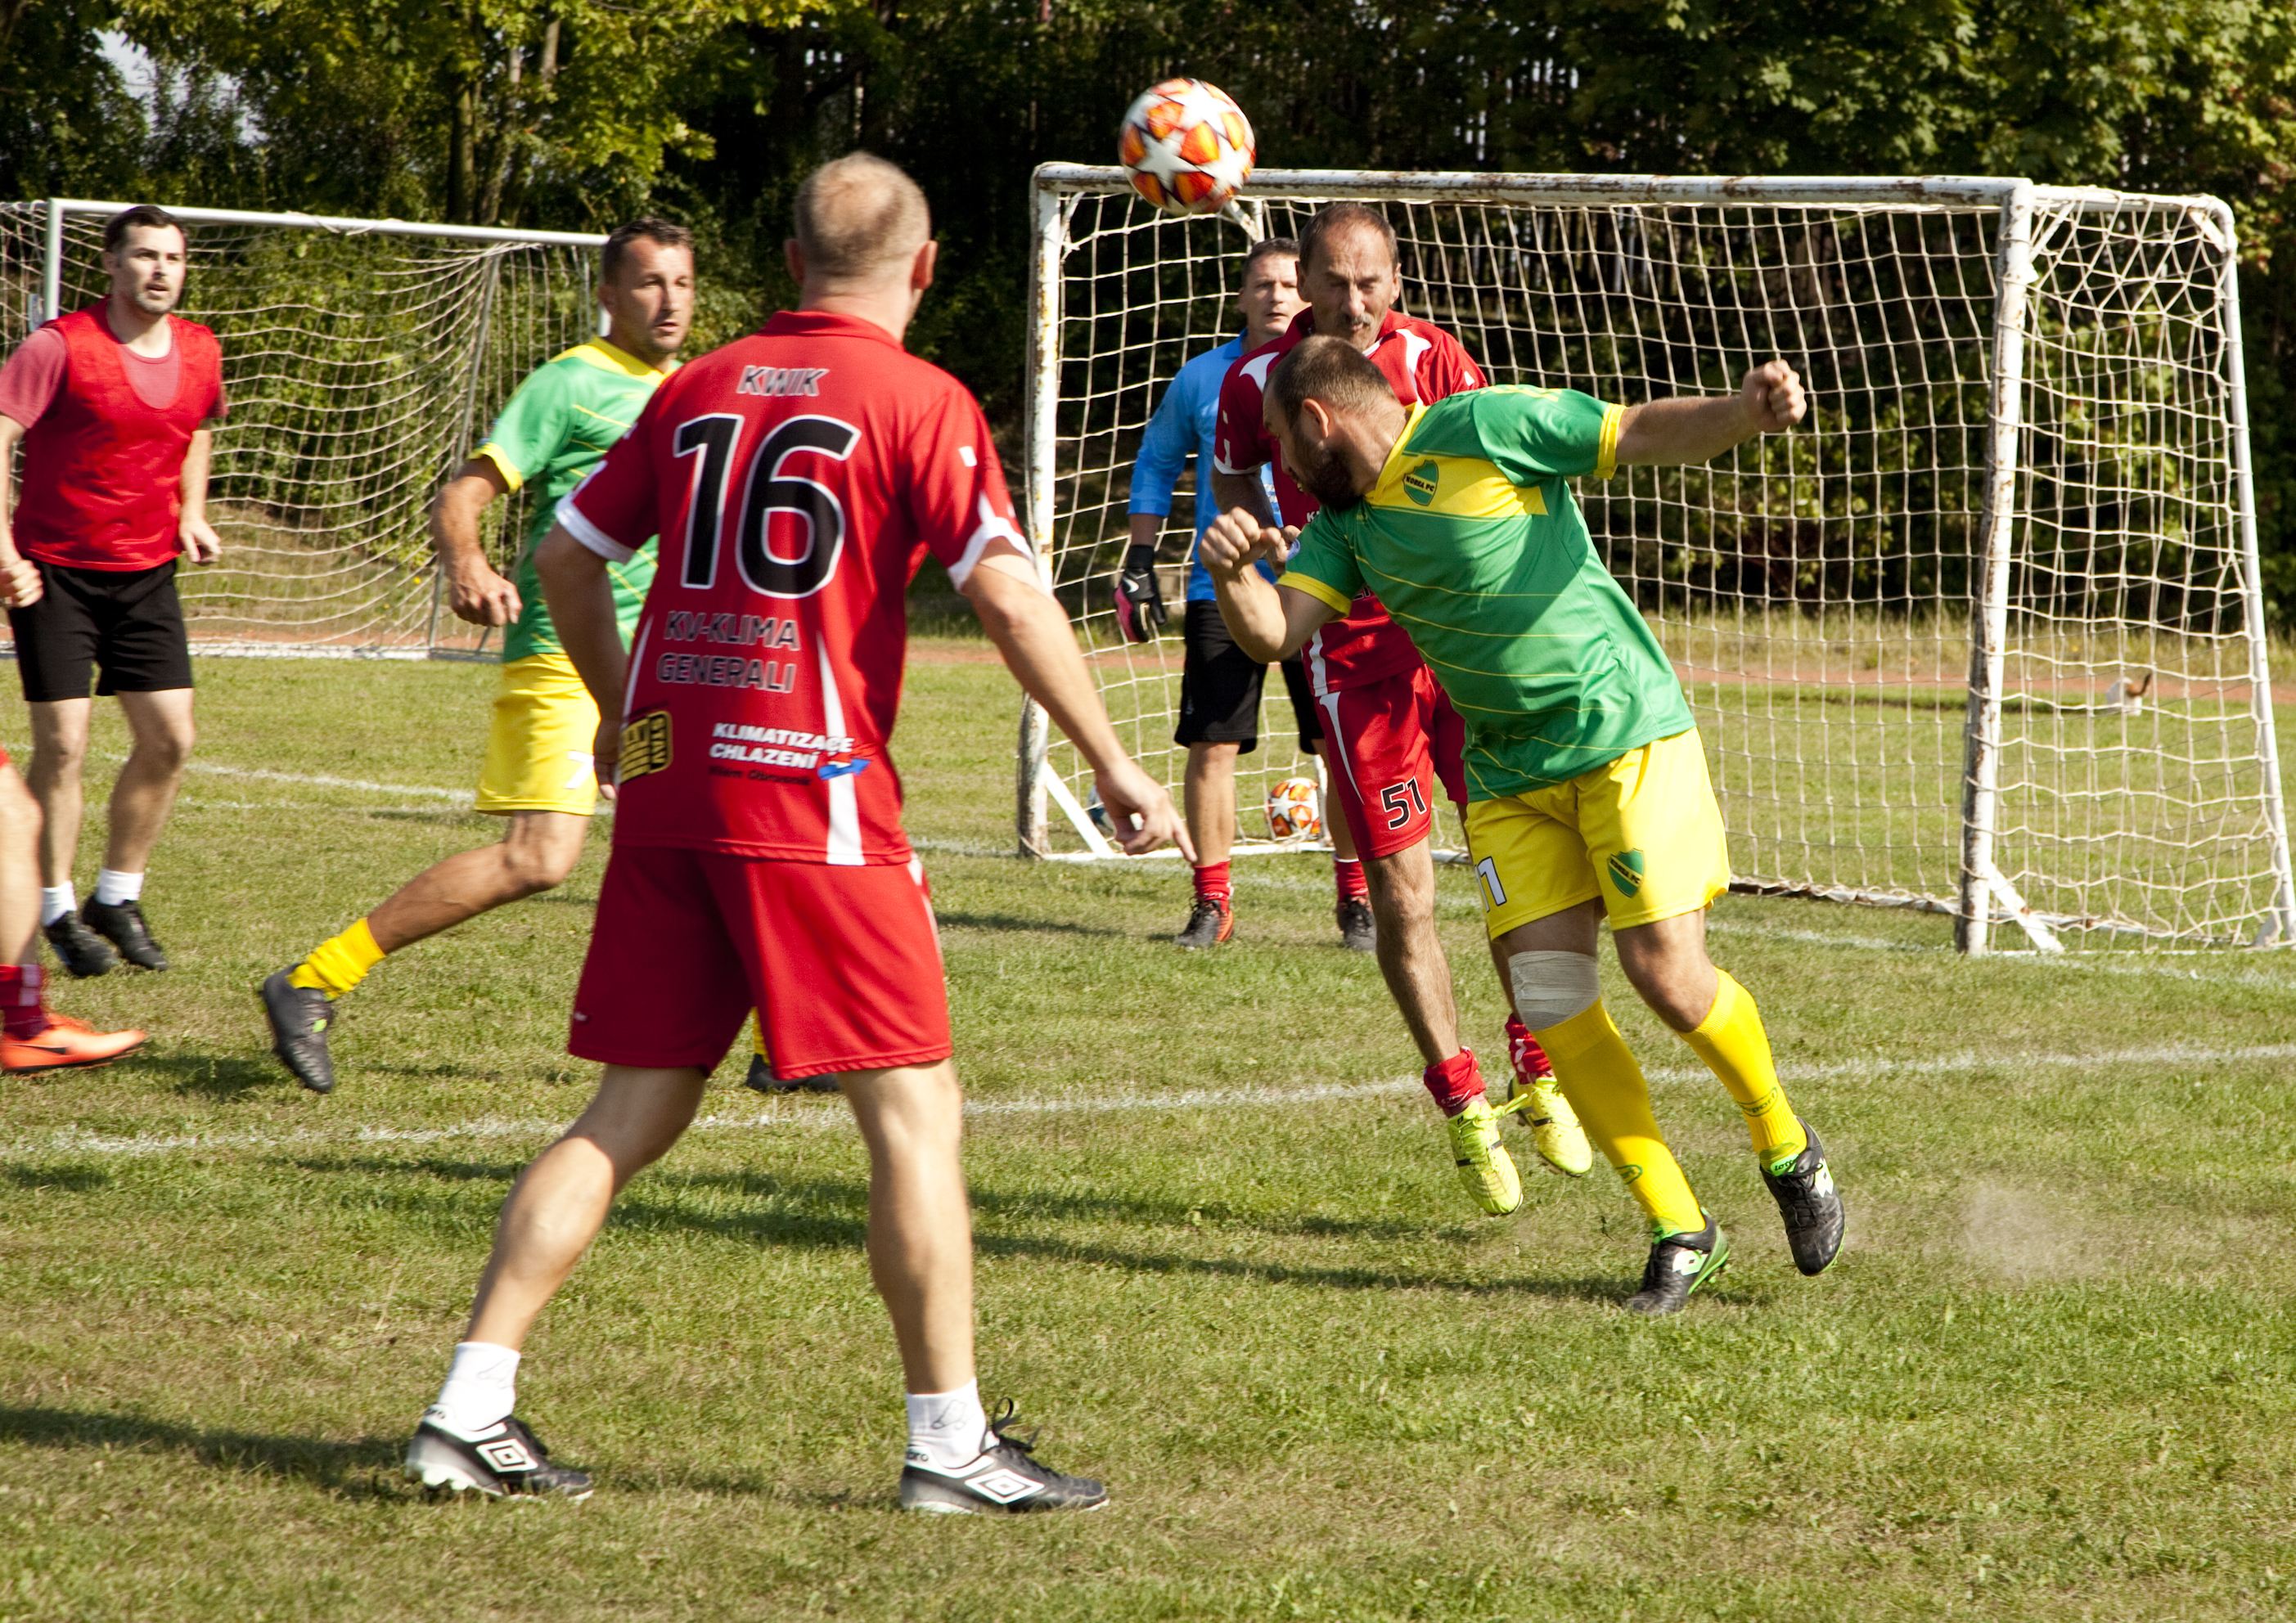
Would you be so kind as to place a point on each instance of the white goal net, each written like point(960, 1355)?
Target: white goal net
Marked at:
point(1984, 636)
point(361, 361)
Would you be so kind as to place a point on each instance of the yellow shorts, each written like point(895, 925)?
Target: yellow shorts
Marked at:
point(1644, 833)
point(538, 747)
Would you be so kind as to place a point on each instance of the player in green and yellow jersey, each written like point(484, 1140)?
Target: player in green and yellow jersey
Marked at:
point(537, 772)
point(1587, 791)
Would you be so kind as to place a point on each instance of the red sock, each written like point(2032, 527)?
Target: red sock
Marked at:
point(1213, 884)
point(23, 1013)
point(1530, 1060)
point(1347, 875)
point(1454, 1082)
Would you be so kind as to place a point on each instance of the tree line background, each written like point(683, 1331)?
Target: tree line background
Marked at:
point(576, 113)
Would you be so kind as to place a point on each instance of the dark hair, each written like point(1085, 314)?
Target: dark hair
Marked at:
point(116, 228)
point(1327, 369)
point(1344, 216)
point(653, 230)
point(1269, 247)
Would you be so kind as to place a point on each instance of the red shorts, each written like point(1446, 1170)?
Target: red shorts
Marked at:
point(1387, 743)
point(842, 964)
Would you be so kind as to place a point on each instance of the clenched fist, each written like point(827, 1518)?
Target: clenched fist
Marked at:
point(1235, 541)
point(1773, 398)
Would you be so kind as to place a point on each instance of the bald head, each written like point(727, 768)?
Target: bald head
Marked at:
point(859, 220)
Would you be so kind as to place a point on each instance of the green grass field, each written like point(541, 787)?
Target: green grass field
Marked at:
point(2051, 1377)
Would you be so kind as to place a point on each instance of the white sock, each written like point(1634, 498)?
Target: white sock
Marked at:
point(481, 1387)
point(948, 1429)
point(112, 887)
point(55, 901)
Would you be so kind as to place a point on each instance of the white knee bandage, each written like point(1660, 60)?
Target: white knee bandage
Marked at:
point(1550, 988)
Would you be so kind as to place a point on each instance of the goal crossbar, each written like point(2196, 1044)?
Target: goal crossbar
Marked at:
point(2025, 484)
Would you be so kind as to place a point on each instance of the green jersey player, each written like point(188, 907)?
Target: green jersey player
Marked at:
point(1587, 791)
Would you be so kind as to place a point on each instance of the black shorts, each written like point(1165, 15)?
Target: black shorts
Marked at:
point(128, 622)
point(1220, 686)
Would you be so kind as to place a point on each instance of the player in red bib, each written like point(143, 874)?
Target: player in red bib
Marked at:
point(797, 479)
point(113, 404)
point(1393, 732)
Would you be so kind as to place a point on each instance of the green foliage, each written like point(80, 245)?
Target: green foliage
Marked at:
point(575, 112)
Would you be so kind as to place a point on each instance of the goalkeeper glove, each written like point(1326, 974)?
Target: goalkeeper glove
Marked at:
point(1139, 605)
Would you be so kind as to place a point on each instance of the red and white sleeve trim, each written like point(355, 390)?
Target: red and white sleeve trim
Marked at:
point(994, 525)
point(571, 520)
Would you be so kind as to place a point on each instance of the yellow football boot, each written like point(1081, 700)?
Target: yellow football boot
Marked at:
point(1486, 1170)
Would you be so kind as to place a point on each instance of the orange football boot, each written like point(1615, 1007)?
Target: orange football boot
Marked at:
point(66, 1042)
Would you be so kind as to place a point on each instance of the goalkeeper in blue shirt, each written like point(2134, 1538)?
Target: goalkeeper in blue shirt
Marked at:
point(1220, 684)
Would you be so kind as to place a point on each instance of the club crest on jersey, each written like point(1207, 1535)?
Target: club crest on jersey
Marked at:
point(646, 745)
point(1419, 484)
point(781, 380)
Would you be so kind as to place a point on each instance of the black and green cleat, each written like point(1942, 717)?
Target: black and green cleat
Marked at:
point(1678, 1265)
point(1809, 1206)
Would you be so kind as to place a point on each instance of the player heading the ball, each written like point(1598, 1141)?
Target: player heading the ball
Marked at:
point(1588, 787)
point(798, 478)
point(1390, 732)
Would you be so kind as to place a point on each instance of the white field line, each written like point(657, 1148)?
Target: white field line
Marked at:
point(77, 1141)
point(460, 797)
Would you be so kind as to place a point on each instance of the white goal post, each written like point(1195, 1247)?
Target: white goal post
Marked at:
point(1984, 636)
point(363, 359)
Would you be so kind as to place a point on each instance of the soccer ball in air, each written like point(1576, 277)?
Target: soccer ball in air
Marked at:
point(1293, 811)
point(1188, 145)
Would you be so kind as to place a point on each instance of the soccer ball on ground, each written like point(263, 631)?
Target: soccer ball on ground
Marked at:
point(1188, 145)
point(1294, 810)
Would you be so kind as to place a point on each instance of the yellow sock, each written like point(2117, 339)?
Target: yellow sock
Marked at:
point(757, 1034)
point(1605, 1086)
point(339, 962)
point(1734, 1046)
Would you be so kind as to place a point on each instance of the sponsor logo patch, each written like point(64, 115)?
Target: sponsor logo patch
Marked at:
point(1626, 869)
point(646, 745)
point(1419, 484)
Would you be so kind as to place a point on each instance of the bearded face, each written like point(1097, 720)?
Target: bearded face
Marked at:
point(1325, 476)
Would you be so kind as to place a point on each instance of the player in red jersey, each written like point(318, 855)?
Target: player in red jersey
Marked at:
point(1393, 732)
point(114, 405)
point(797, 479)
